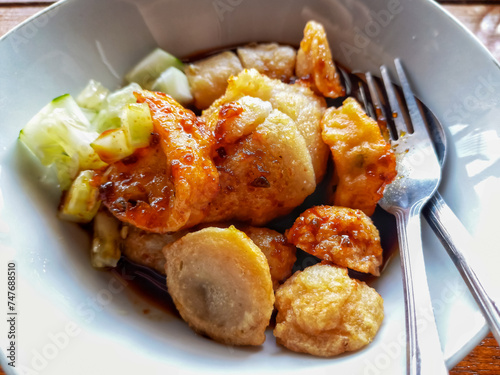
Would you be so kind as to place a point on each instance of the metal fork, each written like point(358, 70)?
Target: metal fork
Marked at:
point(419, 173)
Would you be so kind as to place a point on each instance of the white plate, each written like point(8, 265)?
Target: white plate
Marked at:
point(74, 320)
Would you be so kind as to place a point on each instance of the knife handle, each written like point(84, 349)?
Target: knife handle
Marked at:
point(456, 240)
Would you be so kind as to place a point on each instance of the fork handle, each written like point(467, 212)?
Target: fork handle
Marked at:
point(456, 239)
point(423, 350)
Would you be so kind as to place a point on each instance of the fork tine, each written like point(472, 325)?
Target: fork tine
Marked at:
point(364, 99)
point(374, 95)
point(397, 114)
point(413, 109)
point(380, 113)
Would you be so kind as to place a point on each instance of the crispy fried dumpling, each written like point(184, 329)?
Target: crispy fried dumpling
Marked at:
point(270, 59)
point(364, 161)
point(340, 235)
point(323, 312)
point(208, 77)
point(145, 248)
point(279, 252)
point(295, 101)
point(235, 120)
point(168, 185)
point(221, 284)
point(264, 174)
point(315, 63)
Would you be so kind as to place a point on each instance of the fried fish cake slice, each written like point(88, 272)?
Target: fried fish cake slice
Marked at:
point(208, 77)
point(344, 236)
point(271, 59)
point(264, 175)
point(237, 119)
point(221, 284)
point(296, 101)
point(280, 254)
point(145, 248)
point(168, 185)
point(364, 162)
point(323, 312)
point(315, 63)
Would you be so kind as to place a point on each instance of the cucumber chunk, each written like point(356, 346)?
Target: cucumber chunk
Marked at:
point(81, 202)
point(150, 68)
point(93, 96)
point(109, 116)
point(60, 134)
point(105, 250)
point(137, 124)
point(174, 83)
point(112, 145)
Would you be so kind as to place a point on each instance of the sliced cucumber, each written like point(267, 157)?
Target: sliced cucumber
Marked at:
point(174, 83)
point(112, 145)
point(93, 96)
point(81, 202)
point(105, 250)
point(137, 124)
point(89, 114)
point(150, 68)
point(109, 116)
point(61, 134)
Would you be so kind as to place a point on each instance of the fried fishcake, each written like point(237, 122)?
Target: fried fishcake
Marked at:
point(323, 312)
point(279, 252)
point(315, 63)
point(264, 175)
point(145, 248)
point(344, 236)
point(208, 77)
point(221, 284)
point(271, 59)
point(168, 185)
point(296, 101)
point(364, 161)
point(234, 120)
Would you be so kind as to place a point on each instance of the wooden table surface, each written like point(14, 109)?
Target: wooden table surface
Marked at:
point(481, 17)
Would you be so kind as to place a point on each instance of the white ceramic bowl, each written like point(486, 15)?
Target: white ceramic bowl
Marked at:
point(74, 320)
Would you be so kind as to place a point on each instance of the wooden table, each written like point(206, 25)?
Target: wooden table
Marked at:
point(481, 17)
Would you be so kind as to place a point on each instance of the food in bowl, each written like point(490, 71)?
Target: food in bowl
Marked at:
point(188, 195)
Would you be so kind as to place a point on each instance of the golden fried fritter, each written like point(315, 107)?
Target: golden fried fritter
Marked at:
point(296, 101)
point(264, 175)
point(323, 312)
point(168, 185)
point(145, 248)
point(279, 253)
point(234, 120)
point(364, 161)
point(315, 63)
point(344, 236)
point(208, 77)
point(271, 59)
point(221, 284)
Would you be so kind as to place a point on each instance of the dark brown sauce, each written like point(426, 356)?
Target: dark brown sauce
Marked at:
point(148, 285)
